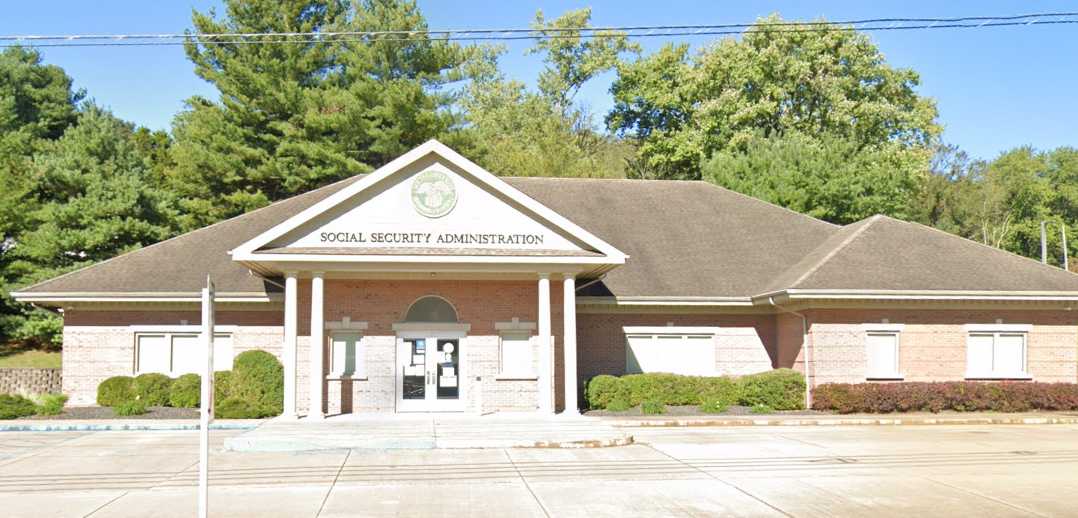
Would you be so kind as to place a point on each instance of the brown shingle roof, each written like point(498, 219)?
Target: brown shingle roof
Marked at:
point(684, 239)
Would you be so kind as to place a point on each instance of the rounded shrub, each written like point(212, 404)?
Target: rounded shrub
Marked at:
point(130, 408)
point(15, 406)
point(719, 392)
point(116, 390)
point(714, 406)
point(152, 388)
point(601, 390)
point(780, 389)
point(618, 404)
point(186, 391)
point(258, 379)
point(222, 386)
point(238, 408)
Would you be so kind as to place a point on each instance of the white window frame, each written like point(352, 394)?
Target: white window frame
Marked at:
point(168, 332)
point(360, 371)
point(683, 332)
point(996, 330)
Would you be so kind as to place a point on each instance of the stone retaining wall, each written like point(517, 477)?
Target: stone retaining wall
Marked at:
point(29, 381)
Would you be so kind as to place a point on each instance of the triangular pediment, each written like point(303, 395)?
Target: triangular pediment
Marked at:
point(429, 202)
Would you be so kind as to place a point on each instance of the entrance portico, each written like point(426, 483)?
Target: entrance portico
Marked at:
point(426, 286)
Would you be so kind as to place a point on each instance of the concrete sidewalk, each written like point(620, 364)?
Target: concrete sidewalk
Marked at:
point(919, 418)
point(427, 431)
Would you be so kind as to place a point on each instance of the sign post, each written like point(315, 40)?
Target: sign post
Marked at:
point(206, 411)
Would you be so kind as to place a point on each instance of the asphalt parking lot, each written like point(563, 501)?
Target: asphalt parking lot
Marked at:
point(768, 471)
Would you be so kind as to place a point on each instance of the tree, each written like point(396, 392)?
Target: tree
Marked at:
point(824, 176)
point(518, 132)
point(776, 85)
point(92, 199)
point(292, 117)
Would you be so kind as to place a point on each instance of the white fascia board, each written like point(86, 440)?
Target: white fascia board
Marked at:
point(245, 251)
point(666, 301)
point(1032, 296)
point(137, 297)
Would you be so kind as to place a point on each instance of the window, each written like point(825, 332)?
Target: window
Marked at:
point(516, 355)
point(431, 309)
point(882, 350)
point(346, 356)
point(996, 355)
point(179, 353)
point(688, 351)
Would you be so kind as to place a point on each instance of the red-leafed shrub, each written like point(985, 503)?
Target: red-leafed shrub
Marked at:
point(961, 396)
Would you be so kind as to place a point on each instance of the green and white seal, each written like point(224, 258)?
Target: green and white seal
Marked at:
point(433, 194)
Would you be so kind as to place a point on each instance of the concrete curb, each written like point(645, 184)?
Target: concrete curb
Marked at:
point(838, 421)
point(114, 426)
point(287, 444)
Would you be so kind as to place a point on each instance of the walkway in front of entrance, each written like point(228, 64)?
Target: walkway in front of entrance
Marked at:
point(412, 431)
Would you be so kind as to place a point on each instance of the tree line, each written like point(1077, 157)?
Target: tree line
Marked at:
point(816, 121)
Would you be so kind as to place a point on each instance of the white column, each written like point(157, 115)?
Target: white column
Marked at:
point(288, 356)
point(569, 343)
point(546, 355)
point(317, 345)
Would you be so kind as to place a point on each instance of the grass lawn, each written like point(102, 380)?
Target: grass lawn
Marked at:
point(17, 357)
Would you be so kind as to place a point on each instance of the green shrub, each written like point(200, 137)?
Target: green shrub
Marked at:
point(222, 386)
point(50, 404)
point(781, 389)
point(237, 408)
point(719, 392)
point(258, 379)
point(714, 407)
point(186, 391)
point(14, 406)
point(618, 405)
point(601, 390)
point(152, 388)
point(130, 408)
point(960, 396)
point(652, 407)
point(762, 409)
point(116, 390)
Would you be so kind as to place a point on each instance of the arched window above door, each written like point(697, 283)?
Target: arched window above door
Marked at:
point(431, 309)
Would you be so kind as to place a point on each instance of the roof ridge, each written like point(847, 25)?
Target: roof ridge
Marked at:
point(865, 224)
point(990, 247)
point(195, 231)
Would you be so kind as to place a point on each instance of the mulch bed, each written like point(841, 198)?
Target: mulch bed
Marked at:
point(100, 412)
point(694, 411)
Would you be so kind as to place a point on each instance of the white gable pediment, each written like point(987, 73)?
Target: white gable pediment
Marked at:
point(430, 201)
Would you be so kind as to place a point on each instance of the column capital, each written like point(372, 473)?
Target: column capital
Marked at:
point(291, 274)
point(544, 275)
point(567, 276)
point(318, 274)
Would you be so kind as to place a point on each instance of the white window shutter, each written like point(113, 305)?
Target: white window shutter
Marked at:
point(882, 351)
point(979, 355)
point(153, 354)
point(187, 351)
point(1009, 358)
point(677, 354)
point(516, 355)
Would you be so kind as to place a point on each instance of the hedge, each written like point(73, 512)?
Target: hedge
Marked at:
point(258, 379)
point(962, 396)
point(781, 389)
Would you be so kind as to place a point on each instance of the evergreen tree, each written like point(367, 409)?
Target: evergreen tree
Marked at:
point(294, 116)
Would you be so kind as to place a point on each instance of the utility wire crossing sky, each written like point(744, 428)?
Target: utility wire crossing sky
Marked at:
point(637, 31)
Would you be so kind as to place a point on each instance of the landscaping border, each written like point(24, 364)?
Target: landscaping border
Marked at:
point(916, 420)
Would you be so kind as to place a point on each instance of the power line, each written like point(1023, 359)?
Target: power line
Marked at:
point(644, 31)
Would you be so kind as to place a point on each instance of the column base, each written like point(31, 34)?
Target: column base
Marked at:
point(315, 417)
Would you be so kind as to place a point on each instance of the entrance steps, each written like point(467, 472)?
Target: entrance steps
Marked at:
point(429, 431)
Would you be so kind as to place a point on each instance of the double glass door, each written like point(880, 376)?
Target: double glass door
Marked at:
point(428, 373)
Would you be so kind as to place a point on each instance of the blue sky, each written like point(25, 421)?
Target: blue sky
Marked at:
point(996, 88)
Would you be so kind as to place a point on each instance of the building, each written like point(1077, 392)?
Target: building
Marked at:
point(432, 285)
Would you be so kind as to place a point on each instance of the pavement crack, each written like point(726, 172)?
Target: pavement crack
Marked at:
point(333, 484)
point(106, 504)
point(721, 480)
point(526, 484)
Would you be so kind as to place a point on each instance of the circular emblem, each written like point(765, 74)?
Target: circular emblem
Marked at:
point(433, 194)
